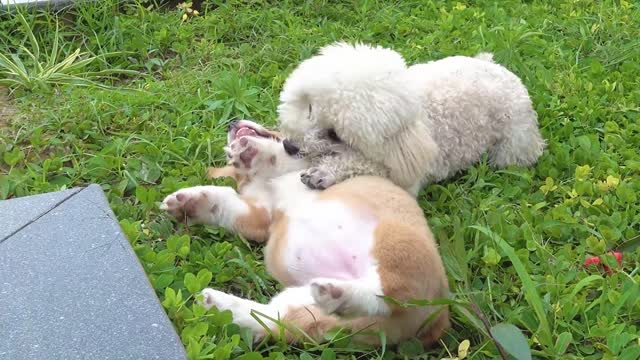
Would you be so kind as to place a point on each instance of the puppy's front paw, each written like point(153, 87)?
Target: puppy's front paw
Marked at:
point(220, 300)
point(317, 178)
point(241, 152)
point(194, 205)
point(329, 295)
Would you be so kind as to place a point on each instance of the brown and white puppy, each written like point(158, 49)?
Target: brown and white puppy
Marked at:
point(338, 252)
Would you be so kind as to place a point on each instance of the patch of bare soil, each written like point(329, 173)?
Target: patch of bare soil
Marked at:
point(7, 109)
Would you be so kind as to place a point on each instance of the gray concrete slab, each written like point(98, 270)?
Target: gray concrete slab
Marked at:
point(71, 286)
point(27, 209)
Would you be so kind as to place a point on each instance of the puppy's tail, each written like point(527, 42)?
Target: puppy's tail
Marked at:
point(485, 56)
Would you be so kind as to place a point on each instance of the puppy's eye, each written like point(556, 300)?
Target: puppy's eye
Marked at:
point(310, 111)
point(331, 134)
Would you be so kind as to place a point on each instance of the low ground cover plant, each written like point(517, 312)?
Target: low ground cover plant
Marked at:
point(145, 109)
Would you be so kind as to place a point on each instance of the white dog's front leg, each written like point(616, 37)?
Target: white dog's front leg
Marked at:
point(210, 205)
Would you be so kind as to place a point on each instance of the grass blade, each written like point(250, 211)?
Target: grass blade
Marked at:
point(53, 57)
point(13, 68)
point(30, 36)
point(531, 294)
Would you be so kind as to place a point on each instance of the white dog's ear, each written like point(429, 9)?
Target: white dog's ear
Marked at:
point(383, 121)
point(319, 83)
point(367, 116)
point(409, 155)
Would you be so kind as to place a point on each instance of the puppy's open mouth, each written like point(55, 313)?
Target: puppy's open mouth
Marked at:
point(239, 129)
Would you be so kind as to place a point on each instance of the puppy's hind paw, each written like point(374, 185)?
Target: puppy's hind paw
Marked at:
point(197, 205)
point(317, 178)
point(329, 295)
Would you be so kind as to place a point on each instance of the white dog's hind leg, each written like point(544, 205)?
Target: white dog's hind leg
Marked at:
point(523, 146)
point(350, 298)
point(246, 311)
point(415, 188)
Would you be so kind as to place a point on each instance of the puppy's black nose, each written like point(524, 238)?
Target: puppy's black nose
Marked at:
point(232, 124)
point(290, 148)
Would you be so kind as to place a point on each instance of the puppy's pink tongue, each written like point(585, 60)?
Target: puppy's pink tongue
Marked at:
point(245, 131)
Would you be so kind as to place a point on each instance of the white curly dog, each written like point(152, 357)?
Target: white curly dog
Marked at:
point(360, 110)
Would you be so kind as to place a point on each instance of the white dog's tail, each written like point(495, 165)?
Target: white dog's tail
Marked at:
point(485, 56)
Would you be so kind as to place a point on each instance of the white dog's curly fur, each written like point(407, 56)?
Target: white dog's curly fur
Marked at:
point(359, 109)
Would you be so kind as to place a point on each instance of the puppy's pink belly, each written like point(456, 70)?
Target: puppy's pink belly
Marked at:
point(328, 239)
point(336, 262)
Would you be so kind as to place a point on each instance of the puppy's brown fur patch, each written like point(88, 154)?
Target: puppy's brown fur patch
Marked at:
point(408, 261)
point(273, 252)
point(255, 225)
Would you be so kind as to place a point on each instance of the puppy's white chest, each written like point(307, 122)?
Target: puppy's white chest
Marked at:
point(328, 239)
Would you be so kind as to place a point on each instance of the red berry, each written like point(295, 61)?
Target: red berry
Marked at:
point(591, 261)
point(618, 256)
point(595, 260)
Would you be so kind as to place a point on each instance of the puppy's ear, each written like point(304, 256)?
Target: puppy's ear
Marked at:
point(409, 155)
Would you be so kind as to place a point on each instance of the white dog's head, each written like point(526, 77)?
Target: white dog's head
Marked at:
point(356, 95)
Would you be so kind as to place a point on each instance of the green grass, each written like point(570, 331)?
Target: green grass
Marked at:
point(513, 240)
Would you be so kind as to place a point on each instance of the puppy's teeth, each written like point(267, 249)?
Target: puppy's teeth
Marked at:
point(164, 206)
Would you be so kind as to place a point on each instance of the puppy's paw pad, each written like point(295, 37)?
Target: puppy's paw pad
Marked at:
point(190, 203)
point(317, 178)
point(211, 298)
point(328, 295)
point(242, 151)
point(208, 298)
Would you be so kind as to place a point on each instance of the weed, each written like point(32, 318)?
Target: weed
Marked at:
point(42, 71)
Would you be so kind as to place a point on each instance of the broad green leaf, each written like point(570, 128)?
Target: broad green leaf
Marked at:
point(251, 356)
point(512, 340)
point(562, 342)
point(582, 172)
point(617, 342)
point(191, 283)
point(163, 281)
point(630, 353)
point(411, 348)
point(305, 356)
point(193, 349)
point(491, 257)
point(169, 298)
point(204, 278)
point(12, 157)
point(328, 354)
point(626, 194)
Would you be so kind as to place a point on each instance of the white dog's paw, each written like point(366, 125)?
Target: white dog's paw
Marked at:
point(330, 295)
point(220, 300)
point(197, 204)
point(317, 178)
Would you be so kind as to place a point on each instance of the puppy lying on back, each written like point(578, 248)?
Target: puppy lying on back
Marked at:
point(356, 110)
point(337, 252)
